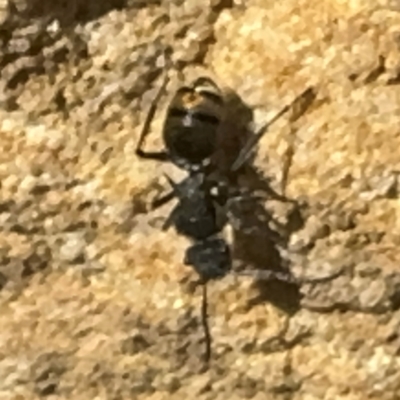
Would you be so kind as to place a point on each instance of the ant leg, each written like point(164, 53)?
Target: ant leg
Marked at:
point(168, 222)
point(169, 196)
point(206, 328)
point(280, 197)
point(160, 155)
point(246, 151)
point(285, 276)
point(178, 189)
point(173, 184)
point(270, 194)
point(162, 200)
point(266, 275)
point(322, 279)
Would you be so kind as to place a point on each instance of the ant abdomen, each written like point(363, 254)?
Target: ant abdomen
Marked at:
point(210, 258)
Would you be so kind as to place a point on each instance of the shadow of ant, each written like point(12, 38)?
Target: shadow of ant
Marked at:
point(256, 246)
point(257, 235)
point(71, 13)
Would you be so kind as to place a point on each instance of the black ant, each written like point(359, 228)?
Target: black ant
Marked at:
point(190, 137)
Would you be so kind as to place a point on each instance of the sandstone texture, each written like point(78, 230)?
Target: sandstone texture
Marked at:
point(95, 301)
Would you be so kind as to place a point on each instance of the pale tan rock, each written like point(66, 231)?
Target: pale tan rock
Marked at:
point(95, 299)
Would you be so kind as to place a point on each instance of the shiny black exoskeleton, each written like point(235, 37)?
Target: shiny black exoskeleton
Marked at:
point(200, 215)
point(191, 125)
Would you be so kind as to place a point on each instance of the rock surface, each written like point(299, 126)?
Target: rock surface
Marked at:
point(95, 302)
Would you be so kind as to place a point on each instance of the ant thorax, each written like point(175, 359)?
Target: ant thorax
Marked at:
point(200, 211)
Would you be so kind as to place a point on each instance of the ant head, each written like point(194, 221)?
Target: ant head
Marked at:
point(210, 258)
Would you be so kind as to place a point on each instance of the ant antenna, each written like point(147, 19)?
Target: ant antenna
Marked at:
point(245, 152)
point(150, 114)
